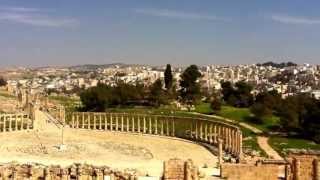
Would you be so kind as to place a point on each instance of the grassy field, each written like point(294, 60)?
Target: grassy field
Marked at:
point(203, 108)
point(281, 144)
point(244, 115)
point(69, 102)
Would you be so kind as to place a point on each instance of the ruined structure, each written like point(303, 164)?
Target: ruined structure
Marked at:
point(226, 137)
point(196, 129)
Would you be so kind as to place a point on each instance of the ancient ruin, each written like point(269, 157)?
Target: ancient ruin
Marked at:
point(64, 138)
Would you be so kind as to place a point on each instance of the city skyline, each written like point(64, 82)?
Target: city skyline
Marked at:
point(41, 33)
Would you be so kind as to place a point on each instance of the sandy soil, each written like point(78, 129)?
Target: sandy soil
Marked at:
point(116, 150)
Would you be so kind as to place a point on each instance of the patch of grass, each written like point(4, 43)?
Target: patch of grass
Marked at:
point(281, 144)
point(238, 114)
point(250, 141)
point(69, 102)
point(203, 108)
point(244, 115)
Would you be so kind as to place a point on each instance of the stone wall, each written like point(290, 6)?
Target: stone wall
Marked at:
point(250, 171)
point(174, 169)
point(197, 129)
point(177, 169)
point(76, 171)
point(304, 167)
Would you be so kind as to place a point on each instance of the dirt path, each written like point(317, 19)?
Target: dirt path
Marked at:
point(263, 143)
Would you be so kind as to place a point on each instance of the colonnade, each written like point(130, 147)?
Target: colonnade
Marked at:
point(15, 122)
point(196, 129)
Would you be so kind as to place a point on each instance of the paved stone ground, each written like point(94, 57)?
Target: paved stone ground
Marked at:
point(117, 150)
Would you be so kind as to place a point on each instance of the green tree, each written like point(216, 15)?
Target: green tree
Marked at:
point(3, 82)
point(215, 104)
point(190, 87)
point(157, 96)
point(168, 78)
point(260, 111)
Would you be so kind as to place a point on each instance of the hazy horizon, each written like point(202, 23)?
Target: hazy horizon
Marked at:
point(62, 33)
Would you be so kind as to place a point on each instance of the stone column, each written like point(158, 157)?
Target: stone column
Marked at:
point(191, 128)
point(218, 132)
point(10, 123)
point(150, 125)
point(235, 141)
point(94, 121)
point(105, 122)
point(226, 137)
point(167, 122)
point(21, 122)
point(89, 121)
point(232, 138)
point(210, 133)
point(156, 124)
point(220, 151)
point(206, 132)
point(72, 124)
point(316, 169)
point(111, 122)
point(117, 122)
point(77, 121)
point(82, 125)
point(28, 123)
point(144, 124)
point(4, 123)
point(162, 127)
point(16, 123)
point(196, 134)
point(173, 126)
point(240, 144)
point(201, 133)
point(122, 122)
point(133, 128)
point(100, 121)
point(128, 126)
point(139, 128)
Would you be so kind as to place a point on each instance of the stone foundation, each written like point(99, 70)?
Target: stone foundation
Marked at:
point(174, 169)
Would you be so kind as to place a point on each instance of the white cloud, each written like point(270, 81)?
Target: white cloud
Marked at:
point(34, 17)
point(19, 9)
point(179, 14)
point(294, 20)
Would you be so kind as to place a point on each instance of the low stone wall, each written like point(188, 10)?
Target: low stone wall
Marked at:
point(76, 171)
point(196, 129)
point(250, 172)
point(174, 169)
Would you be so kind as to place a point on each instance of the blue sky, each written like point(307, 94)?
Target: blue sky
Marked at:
point(68, 32)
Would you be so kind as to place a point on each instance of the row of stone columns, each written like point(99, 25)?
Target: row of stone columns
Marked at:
point(210, 132)
point(14, 122)
point(200, 130)
point(125, 123)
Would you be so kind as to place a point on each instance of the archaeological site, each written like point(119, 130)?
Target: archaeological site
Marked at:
point(45, 141)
